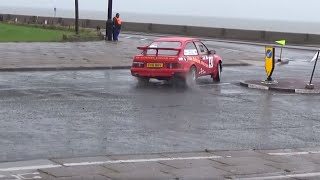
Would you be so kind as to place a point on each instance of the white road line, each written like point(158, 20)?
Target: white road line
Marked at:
point(127, 37)
point(304, 175)
point(143, 39)
point(140, 160)
point(30, 168)
point(49, 166)
point(49, 88)
point(16, 177)
point(294, 153)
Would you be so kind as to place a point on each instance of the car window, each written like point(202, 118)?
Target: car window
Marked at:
point(164, 44)
point(190, 50)
point(201, 48)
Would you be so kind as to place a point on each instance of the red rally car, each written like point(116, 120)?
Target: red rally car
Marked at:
point(180, 58)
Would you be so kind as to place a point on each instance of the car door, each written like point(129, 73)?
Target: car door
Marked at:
point(207, 60)
point(191, 54)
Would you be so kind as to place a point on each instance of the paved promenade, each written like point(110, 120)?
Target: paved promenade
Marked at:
point(246, 165)
point(92, 55)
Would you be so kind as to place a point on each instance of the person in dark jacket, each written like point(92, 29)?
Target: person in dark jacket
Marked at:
point(116, 26)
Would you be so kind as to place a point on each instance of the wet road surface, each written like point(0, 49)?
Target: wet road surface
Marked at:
point(85, 113)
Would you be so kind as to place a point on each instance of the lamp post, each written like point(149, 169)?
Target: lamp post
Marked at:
point(55, 8)
point(109, 24)
point(77, 16)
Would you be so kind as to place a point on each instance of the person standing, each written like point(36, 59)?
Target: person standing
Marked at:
point(116, 26)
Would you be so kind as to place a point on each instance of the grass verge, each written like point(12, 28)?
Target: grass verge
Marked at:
point(40, 33)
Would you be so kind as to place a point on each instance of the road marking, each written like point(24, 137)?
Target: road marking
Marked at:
point(220, 84)
point(34, 175)
point(30, 167)
point(143, 39)
point(49, 88)
point(294, 153)
point(49, 166)
point(127, 37)
point(25, 176)
point(254, 86)
point(140, 160)
point(304, 175)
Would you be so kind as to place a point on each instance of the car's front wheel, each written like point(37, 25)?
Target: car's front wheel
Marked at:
point(219, 71)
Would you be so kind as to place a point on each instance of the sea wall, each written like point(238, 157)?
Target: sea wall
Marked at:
point(220, 33)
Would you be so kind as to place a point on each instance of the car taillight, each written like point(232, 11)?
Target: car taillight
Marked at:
point(138, 64)
point(173, 65)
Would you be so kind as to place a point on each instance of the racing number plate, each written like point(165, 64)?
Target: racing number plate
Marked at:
point(155, 65)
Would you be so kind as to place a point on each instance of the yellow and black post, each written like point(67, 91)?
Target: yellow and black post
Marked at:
point(269, 62)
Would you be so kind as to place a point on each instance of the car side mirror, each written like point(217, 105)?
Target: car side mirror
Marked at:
point(212, 52)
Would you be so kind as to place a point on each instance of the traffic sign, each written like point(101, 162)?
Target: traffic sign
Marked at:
point(269, 61)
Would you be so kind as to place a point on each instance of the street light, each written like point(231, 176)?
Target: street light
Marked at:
point(55, 8)
point(77, 16)
point(109, 24)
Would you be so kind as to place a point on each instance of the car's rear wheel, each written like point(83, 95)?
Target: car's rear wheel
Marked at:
point(191, 77)
point(143, 80)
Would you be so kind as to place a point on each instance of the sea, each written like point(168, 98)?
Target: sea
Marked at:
point(308, 27)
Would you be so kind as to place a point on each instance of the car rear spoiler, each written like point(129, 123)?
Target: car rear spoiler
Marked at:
point(158, 48)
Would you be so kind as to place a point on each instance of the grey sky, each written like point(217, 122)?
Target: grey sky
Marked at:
point(269, 9)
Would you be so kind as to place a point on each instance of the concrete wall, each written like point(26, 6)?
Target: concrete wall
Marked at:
point(221, 33)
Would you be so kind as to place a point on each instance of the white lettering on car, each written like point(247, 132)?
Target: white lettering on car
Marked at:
point(211, 62)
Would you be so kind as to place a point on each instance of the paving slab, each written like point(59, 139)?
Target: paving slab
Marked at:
point(251, 169)
point(76, 171)
point(238, 161)
point(264, 176)
point(315, 158)
point(308, 178)
point(131, 167)
point(297, 167)
point(203, 173)
point(182, 164)
point(94, 177)
point(141, 175)
point(89, 177)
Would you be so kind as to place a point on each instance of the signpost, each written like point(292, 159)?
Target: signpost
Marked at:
point(269, 63)
point(282, 43)
point(310, 85)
